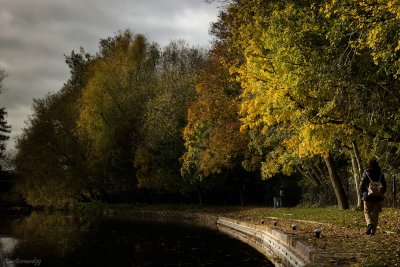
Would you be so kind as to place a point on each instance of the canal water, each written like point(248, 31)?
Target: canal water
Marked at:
point(57, 239)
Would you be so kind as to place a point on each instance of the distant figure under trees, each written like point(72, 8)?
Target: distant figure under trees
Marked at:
point(279, 197)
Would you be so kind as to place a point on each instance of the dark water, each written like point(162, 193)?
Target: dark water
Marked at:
point(65, 240)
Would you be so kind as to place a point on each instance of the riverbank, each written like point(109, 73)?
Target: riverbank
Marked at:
point(342, 232)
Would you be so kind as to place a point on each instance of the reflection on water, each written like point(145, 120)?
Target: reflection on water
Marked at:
point(7, 245)
point(66, 240)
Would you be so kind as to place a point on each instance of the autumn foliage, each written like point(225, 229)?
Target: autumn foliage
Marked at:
point(295, 88)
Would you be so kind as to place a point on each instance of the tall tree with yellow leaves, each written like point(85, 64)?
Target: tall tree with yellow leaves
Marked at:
point(289, 95)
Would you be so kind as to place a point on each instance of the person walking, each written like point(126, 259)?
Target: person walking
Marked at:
point(372, 188)
point(281, 196)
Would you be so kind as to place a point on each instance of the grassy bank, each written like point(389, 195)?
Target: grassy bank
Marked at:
point(389, 218)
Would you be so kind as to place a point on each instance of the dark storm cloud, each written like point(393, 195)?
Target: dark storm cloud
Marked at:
point(35, 36)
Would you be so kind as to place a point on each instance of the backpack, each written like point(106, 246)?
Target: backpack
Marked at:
point(375, 188)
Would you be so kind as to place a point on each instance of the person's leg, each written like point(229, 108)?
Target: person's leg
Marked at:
point(376, 208)
point(367, 212)
point(368, 216)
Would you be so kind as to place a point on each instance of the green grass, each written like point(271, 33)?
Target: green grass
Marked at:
point(331, 215)
point(388, 219)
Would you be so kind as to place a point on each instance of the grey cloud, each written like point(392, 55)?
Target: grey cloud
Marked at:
point(35, 36)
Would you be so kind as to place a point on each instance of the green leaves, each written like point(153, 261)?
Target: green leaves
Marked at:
point(157, 157)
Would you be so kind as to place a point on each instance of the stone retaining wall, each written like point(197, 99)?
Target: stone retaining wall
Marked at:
point(281, 248)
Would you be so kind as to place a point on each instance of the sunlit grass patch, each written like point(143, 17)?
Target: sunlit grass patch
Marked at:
point(331, 215)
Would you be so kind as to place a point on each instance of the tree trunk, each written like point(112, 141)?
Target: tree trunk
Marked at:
point(321, 173)
point(357, 158)
point(315, 176)
point(356, 180)
point(337, 185)
point(307, 176)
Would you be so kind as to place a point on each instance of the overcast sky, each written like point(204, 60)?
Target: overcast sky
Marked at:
point(36, 34)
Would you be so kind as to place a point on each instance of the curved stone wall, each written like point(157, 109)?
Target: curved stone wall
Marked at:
point(281, 248)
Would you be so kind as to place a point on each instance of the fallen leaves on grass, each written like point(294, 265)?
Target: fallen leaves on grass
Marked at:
point(343, 234)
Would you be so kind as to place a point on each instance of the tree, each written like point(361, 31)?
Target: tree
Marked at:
point(157, 158)
point(318, 79)
point(372, 29)
point(121, 80)
point(213, 141)
point(289, 99)
point(4, 127)
point(50, 162)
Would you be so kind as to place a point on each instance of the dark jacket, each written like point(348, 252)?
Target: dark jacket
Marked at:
point(375, 175)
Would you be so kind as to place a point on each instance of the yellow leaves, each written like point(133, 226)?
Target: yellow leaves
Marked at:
point(314, 140)
point(397, 48)
point(374, 36)
point(291, 100)
point(268, 169)
point(109, 93)
point(375, 24)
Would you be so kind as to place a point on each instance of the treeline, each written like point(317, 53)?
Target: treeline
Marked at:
point(294, 88)
point(4, 129)
point(6, 176)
